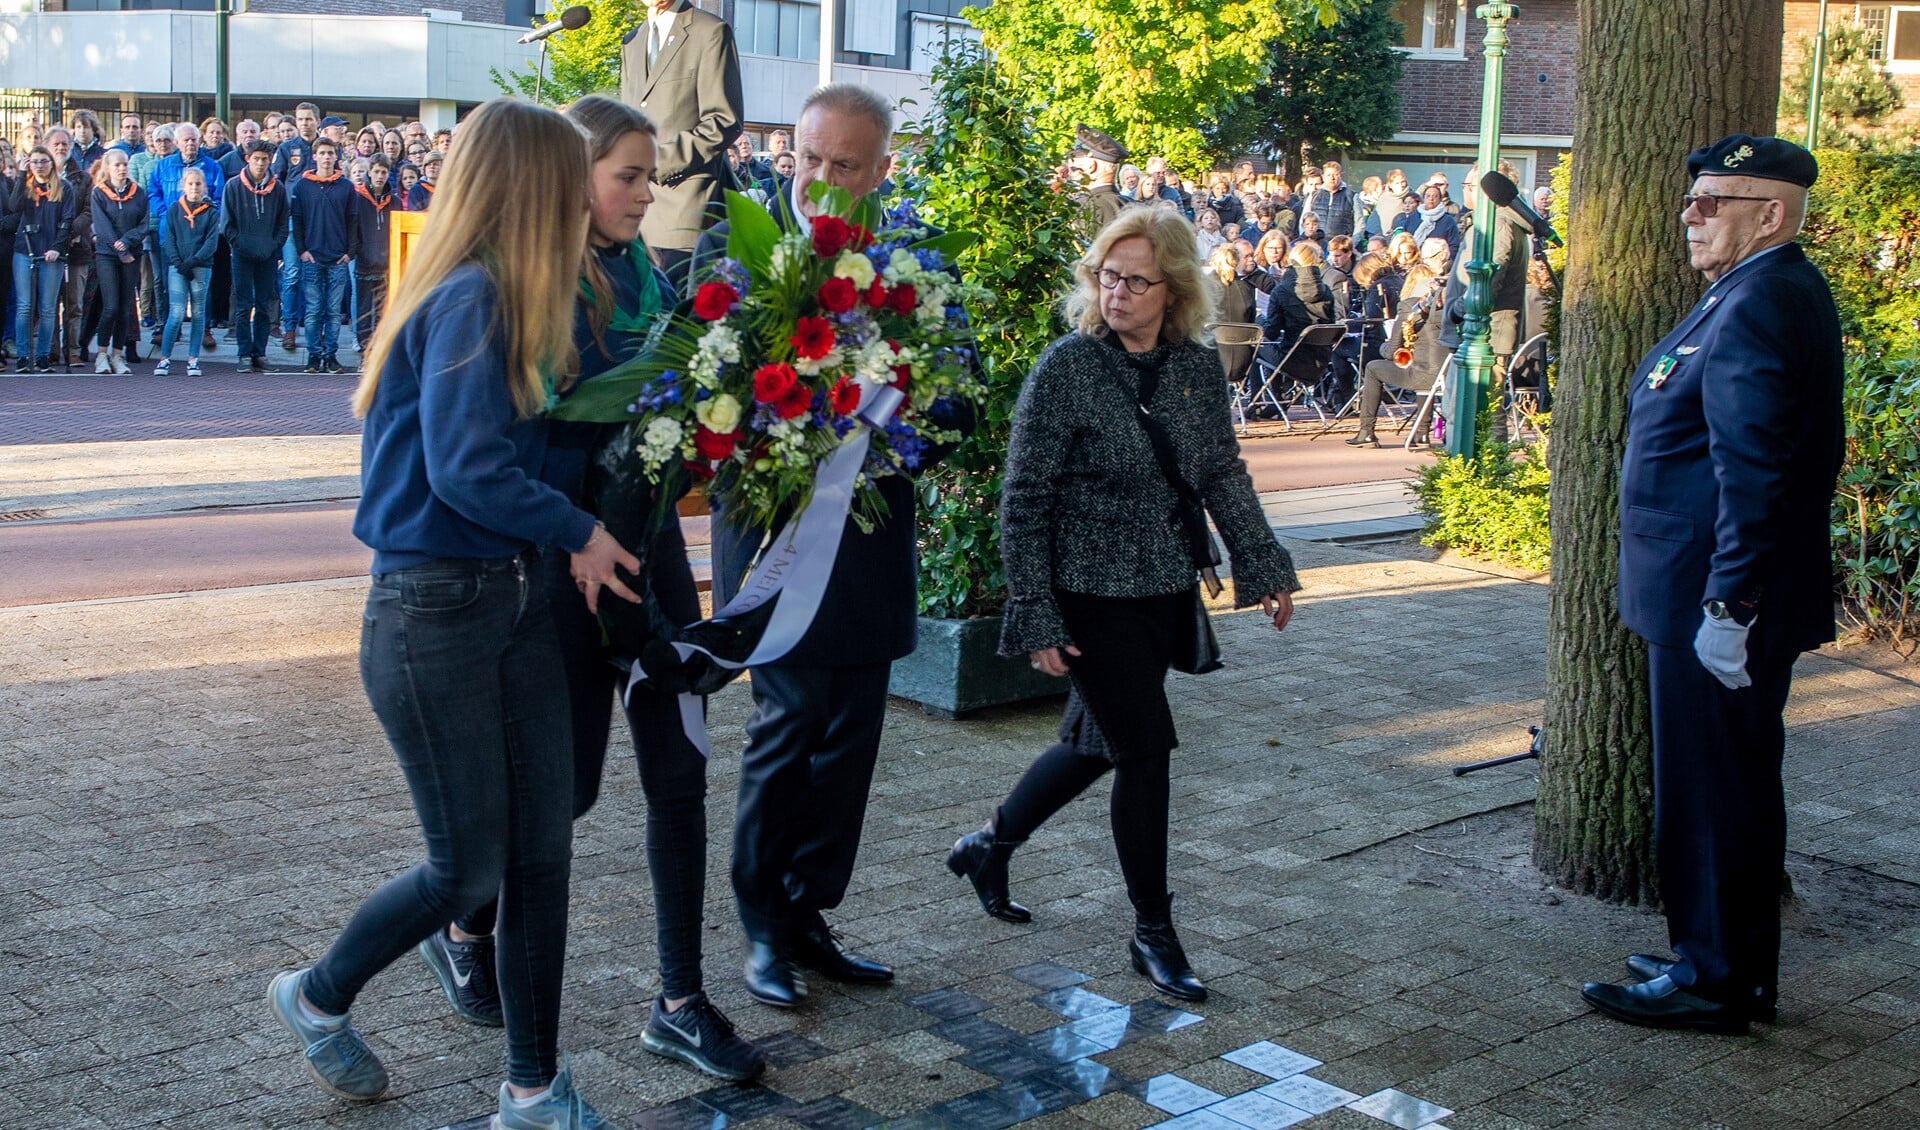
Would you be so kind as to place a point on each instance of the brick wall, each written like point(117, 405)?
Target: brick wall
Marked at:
point(478, 11)
point(1443, 95)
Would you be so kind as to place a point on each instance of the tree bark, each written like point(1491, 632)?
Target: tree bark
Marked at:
point(1655, 78)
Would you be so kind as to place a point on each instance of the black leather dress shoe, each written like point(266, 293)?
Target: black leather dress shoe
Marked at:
point(816, 949)
point(1660, 1003)
point(771, 978)
point(1647, 967)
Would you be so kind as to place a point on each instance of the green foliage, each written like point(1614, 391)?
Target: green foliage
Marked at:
point(1864, 232)
point(581, 62)
point(1876, 513)
point(1150, 72)
point(1492, 505)
point(981, 166)
point(1329, 87)
point(1856, 93)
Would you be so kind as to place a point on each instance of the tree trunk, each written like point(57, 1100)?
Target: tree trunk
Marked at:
point(1655, 78)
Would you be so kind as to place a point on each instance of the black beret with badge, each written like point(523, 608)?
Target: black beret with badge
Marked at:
point(1766, 158)
point(1100, 146)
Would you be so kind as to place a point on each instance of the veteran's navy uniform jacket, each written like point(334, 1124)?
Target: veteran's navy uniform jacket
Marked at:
point(1734, 444)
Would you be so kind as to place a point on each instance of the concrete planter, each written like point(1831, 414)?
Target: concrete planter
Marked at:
point(954, 670)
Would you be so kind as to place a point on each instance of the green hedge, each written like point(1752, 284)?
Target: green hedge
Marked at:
point(1493, 505)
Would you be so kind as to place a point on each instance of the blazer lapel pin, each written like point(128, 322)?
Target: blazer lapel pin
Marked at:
point(1662, 369)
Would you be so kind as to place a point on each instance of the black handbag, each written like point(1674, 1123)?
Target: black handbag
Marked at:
point(1196, 650)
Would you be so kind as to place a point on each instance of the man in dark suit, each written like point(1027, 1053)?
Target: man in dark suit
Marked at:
point(814, 733)
point(1734, 443)
point(681, 68)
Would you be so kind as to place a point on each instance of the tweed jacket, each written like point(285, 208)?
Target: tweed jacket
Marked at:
point(1084, 507)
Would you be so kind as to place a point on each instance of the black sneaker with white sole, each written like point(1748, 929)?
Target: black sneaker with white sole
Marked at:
point(465, 973)
point(699, 1034)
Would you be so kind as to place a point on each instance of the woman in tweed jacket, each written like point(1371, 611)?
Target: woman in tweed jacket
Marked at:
point(1099, 569)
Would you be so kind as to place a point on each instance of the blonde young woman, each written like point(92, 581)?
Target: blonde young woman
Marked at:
point(1101, 571)
point(458, 651)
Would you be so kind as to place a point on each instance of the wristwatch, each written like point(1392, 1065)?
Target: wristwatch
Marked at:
point(1721, 610)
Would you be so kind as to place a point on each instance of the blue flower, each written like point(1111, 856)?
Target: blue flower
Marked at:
point(930, 259)
point(733, 273)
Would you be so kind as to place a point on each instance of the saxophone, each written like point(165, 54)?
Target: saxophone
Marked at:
point(1409, 329)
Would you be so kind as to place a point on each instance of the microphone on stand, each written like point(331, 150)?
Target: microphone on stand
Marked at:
point(1505, 193)
point(573, 19)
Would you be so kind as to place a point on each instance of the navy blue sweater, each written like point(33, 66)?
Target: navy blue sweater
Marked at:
point(45, 225)
point(125, 221)
point(258, 218)
point(446, 468)
point(368, 229)
point(190, 244)
point(320, 213)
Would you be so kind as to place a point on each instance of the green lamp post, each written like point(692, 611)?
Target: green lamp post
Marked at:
point(1818, 80)
point(1473, 362)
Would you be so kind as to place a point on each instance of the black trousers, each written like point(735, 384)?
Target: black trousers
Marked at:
point(119, 294)
point(812, 742)
point(1720, 819)
point(1117, 719)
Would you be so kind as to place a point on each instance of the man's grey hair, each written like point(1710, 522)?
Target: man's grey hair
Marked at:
point(853, 98)
point(186, 130)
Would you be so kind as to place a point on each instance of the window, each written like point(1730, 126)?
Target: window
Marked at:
point(1433, 27)
point(1894, 36)
point(786, 29)
point(930, 36)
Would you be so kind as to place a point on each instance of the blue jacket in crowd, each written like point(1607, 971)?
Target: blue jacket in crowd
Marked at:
point(321, 209)
point(258, 217)
point(447, 467)
point(369, 229)
point(45, 225)
point(163, 183)
point(293, 159)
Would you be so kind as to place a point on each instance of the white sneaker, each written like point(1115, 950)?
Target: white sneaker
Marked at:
point(120, 366)
point(193, 366)
point(161, 367)
point(102, 364)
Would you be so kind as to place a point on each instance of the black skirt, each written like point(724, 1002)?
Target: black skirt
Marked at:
point(1117, 707)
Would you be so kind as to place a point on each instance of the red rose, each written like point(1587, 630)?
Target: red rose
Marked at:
point(697, 468)
point(876, 295)
point(771, 382)
point(837, 295)
point(830, 234)
point(860, 237)
point(712, 301)
point(843, 397)
point(794, 402)
point(710, 444)
point(901, 373)
point(812, 338)
point(903, 299)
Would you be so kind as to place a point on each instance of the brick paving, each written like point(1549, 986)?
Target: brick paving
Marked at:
point(83, 408)
point(195, 794)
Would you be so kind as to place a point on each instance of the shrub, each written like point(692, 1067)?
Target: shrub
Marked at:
point(1876, 514)
point(1491, 505)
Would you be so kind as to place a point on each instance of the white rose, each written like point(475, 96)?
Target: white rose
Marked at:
point(855, 267)
point(902, 265)
point(719, 413)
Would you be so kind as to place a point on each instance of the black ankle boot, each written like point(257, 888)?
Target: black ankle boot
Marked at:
point(982, 860)
point(1157, 955)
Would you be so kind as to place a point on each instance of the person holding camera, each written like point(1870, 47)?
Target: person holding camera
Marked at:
point(46, 206)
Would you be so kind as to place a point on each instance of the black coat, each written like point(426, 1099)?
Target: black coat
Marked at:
point(258, 223)
point(1300, 299)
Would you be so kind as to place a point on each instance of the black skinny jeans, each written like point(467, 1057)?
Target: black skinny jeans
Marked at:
point(119, 293)
point(256, 292)
point(462, 667)
point(673, 771)
point(1117, 720)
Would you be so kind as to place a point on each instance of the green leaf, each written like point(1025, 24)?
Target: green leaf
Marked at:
point(949, 244)
point(831, 199)
point(751, 233)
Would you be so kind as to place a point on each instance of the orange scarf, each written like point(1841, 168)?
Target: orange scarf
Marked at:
point(106, 188)
point(190, 211)
point(428, 185)
point(318, 179)
point(40, 195)
point(379, 205)
point(263, 189)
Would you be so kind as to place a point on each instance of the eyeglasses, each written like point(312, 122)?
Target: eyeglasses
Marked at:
point(1137, 284)
point(1708, 204)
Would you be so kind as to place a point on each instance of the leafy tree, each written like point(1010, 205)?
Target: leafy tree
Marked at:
point(580, 62)
point(1856, 93)
point(1150, 72)
point(981, 167)
point(1330, 87)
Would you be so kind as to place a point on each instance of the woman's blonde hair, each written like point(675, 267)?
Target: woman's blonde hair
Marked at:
point(1403, 250)
point(1306, 253)
point(1176, 255)
point(527, 231)
point(1224, 263)
point(605, 121)
point(55, 184)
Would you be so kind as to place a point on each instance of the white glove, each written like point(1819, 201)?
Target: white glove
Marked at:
point(1722, 648)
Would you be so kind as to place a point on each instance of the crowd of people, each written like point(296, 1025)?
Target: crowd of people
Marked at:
point(270, 230)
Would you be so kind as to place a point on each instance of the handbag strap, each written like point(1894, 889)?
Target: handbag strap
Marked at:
point(1192, 512)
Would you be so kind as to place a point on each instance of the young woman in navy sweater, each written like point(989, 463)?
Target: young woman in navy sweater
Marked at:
point(190, 239)
point(120, 221)
point(46, 209)
point(458, 651)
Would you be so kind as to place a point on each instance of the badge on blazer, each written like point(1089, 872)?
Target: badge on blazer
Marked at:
point(1687, 350)
point(1662, 369)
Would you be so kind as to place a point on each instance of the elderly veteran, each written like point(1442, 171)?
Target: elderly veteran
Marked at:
point(1733, 447)
point(1122, 444)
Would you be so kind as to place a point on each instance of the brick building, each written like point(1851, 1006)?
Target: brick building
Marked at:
point(1895, 29)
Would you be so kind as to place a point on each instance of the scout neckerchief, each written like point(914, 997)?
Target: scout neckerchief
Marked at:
point(41, 195)
point(642, 320)
point(106, 188)
point(190, 211)
point(263, 189)
point(380, 205)
point(318, 179)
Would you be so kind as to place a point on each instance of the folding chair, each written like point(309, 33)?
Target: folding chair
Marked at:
point(1303, 367)
point(1230, 338)
point(1429, 400)
point(1524, 402)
